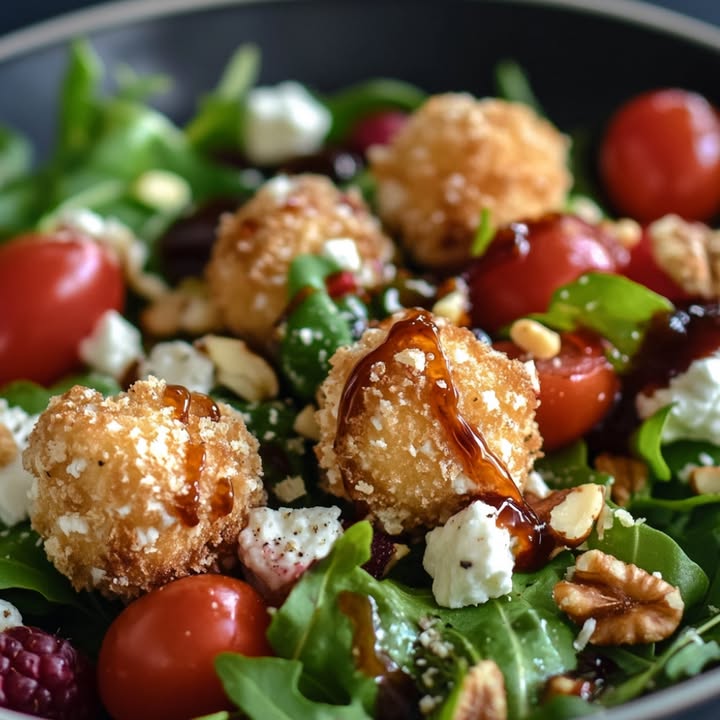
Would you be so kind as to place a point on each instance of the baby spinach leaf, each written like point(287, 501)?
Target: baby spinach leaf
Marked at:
point(267, 689)
point(654, 551)
point(692, 659)
point(647, 443)
point(24, 565)
point(683, 454)
point(615, 307)
point(564, 708)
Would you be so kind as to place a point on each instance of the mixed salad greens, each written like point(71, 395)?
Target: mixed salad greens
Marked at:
point(359, 637)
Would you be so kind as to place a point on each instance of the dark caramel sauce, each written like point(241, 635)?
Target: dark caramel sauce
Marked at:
point(534, 542)
point(187, 501)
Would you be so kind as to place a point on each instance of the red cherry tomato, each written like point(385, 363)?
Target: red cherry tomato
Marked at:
point(156, 660)
point(53, 289)
point(527, 262)
point(577, 388)
point(661, 154)
point(643, 269)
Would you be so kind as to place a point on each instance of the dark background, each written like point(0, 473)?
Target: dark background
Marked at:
point(15, 14)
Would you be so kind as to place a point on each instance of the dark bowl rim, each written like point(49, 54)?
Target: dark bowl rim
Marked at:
point(114, 15)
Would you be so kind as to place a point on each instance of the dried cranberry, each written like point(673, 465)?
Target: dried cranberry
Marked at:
point(44, 675)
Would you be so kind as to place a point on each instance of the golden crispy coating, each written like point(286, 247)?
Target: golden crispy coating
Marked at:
point(287, 217)
point(458, 155)
point(131, 493)
point(395, 456)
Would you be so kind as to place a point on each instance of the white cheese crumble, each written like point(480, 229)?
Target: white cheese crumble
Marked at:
point(113, 345)
point(583, 637)
point(279, 545)
point(695, 396)
point(343, 252)
point(10, 616)
point(15, 481)
point(469, 558)
point(282, 122)
point(179, 363)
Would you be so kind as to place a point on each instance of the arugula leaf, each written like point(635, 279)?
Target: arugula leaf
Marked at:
point(568, 467)
point(515, 631)
point(267, 689)
point(615, 307)
point(647, 443)
point(78, 102)
point(653, 551)
point(15, 155)
point(511, 83)
point(34, 398)
point(351, 104)
point(218, 123)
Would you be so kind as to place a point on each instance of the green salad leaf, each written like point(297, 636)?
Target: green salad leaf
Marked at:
point(647, 443)
point(653, 551)
point(615, 307)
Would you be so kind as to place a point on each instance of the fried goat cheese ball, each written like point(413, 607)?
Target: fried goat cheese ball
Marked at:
point(133, 491)
point(404, 413)
point(287, 217)
point(457, 156)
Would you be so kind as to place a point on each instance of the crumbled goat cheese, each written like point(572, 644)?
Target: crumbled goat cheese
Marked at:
point(10, 616)
point(469, 558)
point(113, 345)
point(279, 545)
point(15, 481)
point(282, 122)
point(695, 396)
point(179, 363)
point(343, 252)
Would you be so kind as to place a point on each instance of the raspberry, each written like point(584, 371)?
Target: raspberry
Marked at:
point(44, 675)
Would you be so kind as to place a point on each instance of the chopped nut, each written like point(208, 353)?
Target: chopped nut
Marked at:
point(240, 369)
point(689, 252)
point(8, 447)
point(535, 339)
point(454, 302)
point(630, 606)
point(630, 475)
point(571, 513)
point(568, 685)
point(482, 695)
point(185, 309)
point(626, 231)
point(705, 480)
point(306, 425)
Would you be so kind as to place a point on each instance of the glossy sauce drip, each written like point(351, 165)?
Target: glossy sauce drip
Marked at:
point(397, 696)
point(187, 502)
point(495, 485)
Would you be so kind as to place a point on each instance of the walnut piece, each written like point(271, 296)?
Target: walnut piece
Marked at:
point(630, 606)
point(705, 480)
point(689, 252)
point(570, 513)
point(482, 695)
point(568, 685)
point(186, 309)
point(630, 475)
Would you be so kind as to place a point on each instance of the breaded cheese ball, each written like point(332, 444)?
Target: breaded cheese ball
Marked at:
point(394, 456)
point(288, 216)
point(133, 491)
point(457, 156)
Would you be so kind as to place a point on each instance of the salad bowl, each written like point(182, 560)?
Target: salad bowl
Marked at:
point(583, 60)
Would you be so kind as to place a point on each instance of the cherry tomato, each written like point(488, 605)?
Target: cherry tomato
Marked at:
point(156, 660)
point(661, 154)
point(577, 388)
point(53, 288)
point(527, 262)
point(644, 269)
